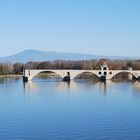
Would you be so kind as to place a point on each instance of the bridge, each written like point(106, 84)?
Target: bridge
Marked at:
point(104, 73)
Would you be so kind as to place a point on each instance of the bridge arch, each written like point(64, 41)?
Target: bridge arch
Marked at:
point(55, 74)
point(120, 72)
point(32, 73)
point(85, 72)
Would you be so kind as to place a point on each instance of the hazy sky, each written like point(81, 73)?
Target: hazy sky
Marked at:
point(105, 27)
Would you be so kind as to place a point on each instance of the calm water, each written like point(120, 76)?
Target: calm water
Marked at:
point(81, 110)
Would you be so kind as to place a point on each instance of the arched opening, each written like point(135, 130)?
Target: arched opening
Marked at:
point(105, 73)
point(123, 76)
point(100, 73)
point(87, 76)
point(104, 68)
point(110, 72)
point(47, 75)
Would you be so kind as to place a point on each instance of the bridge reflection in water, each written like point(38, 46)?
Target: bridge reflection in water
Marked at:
point(34, 87)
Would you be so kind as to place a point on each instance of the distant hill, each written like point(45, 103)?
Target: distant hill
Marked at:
point(35, 55)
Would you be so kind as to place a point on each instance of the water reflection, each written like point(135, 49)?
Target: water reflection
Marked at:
point(2, 80)
point(75, 110)
point(58, 86)
point(136, 89)
point(37, 86)
point(103, 87)
point(8, 79)
point(136, 85)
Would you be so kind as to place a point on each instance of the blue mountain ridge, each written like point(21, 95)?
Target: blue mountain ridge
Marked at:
point(37, 55)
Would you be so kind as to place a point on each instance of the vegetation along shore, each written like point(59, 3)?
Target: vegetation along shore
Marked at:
point(17, 68)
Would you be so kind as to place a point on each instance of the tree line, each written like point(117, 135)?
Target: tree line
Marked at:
point(17, 68)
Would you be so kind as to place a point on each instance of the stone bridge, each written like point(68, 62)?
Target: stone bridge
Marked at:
point(104, 73)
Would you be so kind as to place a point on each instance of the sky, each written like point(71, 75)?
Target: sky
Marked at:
point(100, 27)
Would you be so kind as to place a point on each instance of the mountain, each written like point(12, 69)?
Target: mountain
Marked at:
point(35, 55)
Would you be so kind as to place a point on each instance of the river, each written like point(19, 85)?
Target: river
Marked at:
point(48, 109)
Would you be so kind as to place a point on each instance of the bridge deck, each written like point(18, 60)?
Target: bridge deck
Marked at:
point(109, 74)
